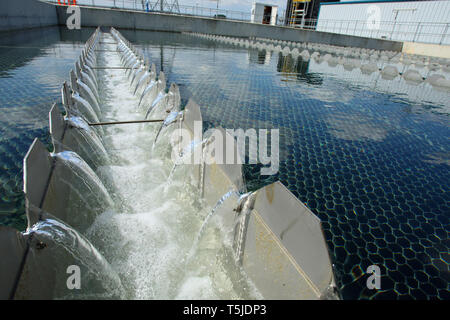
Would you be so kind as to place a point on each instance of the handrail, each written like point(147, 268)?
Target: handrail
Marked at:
point(427, 32)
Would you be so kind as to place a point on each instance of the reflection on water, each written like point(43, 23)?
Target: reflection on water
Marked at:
point(33, 65)
point(356, 127)
point(439, 158)
point(369, 156)
point(260, 57)
point(292, 69)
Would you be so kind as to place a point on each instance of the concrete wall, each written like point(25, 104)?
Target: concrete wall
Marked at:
point(93, 17)
point(24, 14)
point(427, 49)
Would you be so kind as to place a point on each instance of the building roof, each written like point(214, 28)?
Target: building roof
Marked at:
point(371, 1)
point(265, 4)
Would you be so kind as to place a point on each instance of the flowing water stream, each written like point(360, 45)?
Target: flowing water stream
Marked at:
point(98, 279)
point(155, 223)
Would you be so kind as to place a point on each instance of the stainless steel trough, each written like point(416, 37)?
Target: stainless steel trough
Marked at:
point(277, 240)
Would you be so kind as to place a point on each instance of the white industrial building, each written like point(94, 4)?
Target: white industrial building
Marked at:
point(264, 13)
point(417, 21)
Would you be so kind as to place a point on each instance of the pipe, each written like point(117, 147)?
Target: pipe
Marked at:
point(124, 122)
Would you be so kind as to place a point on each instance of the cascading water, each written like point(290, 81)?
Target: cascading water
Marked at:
point(145, 230)
point(171, 118)
point(141, 81)
point(168, 103)
point(183, 157)
point(206, 221)
point(91, 95)
point(87, 183)
point(90, 83)
point(243, 210)
point(85, 107)
point(90, 72)
point(158, 99)
point(146, 90)
point(136, 74)
point(90, 146)
point(134, 67)
point(144, 243)
point(68, 247)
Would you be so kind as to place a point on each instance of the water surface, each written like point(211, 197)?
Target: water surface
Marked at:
point(369, 156)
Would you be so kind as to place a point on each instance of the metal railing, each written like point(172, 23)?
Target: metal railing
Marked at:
point(427, 32)
point(154, 6)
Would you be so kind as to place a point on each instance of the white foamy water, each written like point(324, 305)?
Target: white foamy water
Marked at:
point(147, 241)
